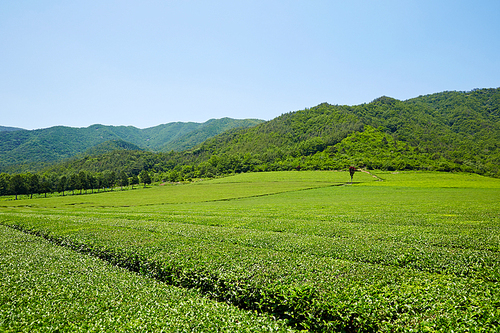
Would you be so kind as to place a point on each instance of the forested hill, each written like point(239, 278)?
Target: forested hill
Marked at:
point(453, 130)
point(110, 146)
point(448, 131)
point(433, 122)
point(23, 149)
point(209, 129)
point(10, 129)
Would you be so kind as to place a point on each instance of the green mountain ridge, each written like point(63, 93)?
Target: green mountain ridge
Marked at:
point(448, 131)
point(10, 129)
point(32, 150)
point(209, 129)
point(462, 128)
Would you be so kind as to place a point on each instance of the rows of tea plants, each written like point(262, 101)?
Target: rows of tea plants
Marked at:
point(310, 291)
point(453, 260)
point(415, 252)
point(46, 288)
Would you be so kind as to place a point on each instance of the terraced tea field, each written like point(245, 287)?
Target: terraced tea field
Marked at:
point(276, 251)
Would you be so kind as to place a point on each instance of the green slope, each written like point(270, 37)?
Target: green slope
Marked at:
point(283, 135)
point(10, 129)
point(110, 146)
point(462, 128)
point(28, 150)
point(208, 129)
point(448, 131)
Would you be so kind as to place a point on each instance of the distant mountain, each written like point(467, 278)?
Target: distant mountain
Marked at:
point(447, 131)
point(29, 150)
point(110, 146)
point(10, 129)
point(443, 131)
point(208, 129)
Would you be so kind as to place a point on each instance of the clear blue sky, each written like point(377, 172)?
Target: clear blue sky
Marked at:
point(144, 63)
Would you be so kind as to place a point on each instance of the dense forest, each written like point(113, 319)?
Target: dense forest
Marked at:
point(22, 150)
point(448, 131)
point(9, 129)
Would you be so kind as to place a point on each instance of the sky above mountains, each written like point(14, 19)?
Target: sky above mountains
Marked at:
point(144, 63)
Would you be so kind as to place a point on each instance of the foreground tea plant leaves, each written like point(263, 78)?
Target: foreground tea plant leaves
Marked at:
point(311, 292)
point(46, 288)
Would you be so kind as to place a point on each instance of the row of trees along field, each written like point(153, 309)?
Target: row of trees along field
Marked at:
point(29, 183)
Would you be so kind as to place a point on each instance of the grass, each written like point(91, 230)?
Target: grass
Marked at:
point(416, 251)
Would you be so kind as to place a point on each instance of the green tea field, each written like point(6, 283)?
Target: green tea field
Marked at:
point(271, 251)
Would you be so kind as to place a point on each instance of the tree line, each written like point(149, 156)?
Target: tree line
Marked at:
point(32, 183)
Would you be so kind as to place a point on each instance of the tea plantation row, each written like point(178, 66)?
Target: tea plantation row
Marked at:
point(46, 288)
point(400, 255)
point(313, 292)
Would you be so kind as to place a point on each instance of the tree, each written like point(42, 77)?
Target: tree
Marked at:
point(62, 184)
point(92, 182)
point(73, 183)
point(17, 185)
point(134, 180)
point(109, 179)
point(45, 186)
point(174, 176)
point(82, 182)
point(352, 170)
point(145, 178)
point(99, 181)
point(4, 183)
point(32, 183)
point(122, 179)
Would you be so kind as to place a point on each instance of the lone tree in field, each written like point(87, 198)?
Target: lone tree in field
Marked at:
point(352, 170)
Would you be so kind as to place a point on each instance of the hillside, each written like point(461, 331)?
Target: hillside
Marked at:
point(29, 150)
point(458, 129)
point(10, 129)
point(110, 146)
point(209, 129)
point(449, 131)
